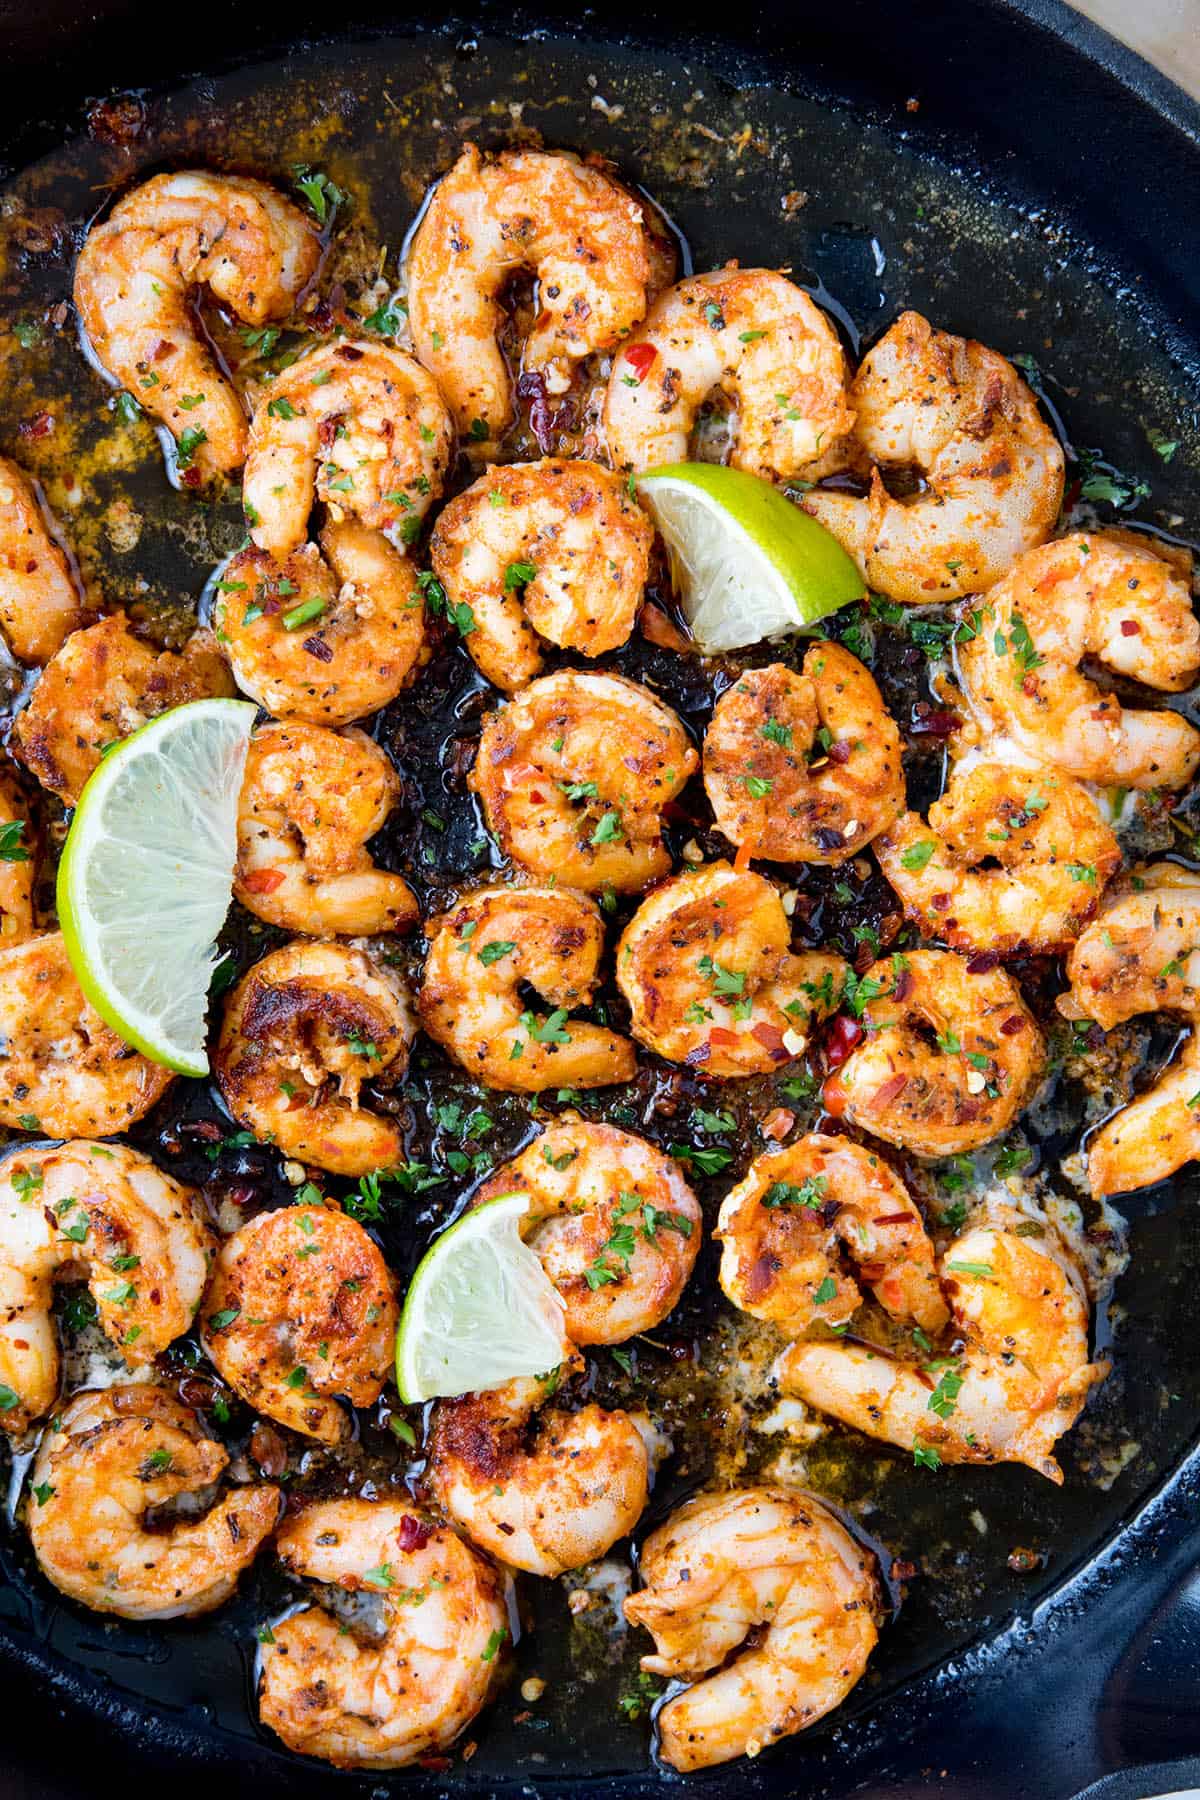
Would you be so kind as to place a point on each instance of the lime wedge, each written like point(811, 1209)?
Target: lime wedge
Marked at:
point(146, 876)
point(481, 1309)
point(747, 564)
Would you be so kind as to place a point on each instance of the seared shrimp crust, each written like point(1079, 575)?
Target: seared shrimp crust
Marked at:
point(573, 775)
point(39, 601)
point(327, 635)
point(303, 1030)
point(804, 767)
point(133, 285)
point(302, 1308)
point(482, 953)
point(104, 1463)
point(385, 1703)
point(757, 337)
point(585, 237)
point(310, 800)
point(1088, 596)
point(781, 1226)
point(616, 1226)
point(766, 1605)
point(101, 685)
point(103, 1211)
point(554, 550)
point(707, 969)
point(950, 1057)
point(991, 468)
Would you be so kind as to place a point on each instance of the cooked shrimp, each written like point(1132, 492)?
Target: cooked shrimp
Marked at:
point(310, 800)
point(302, 1308)
point(385, 1702)
point(587, 240)
point(553, 550)
point(103, 1464)
point(991, 468)
point(106, 1211)
point(39, 601)
point(482, 953)
point(950, 1056)
point(539, 1488)
point(1020, 1380)
point(804, 768)
point(1143, 955)
point(325, 638)
point(764, 1588)
point(780, 1226)
point(1088, 595)
point(706, 966)
point(1009, 858)
point(133, 287)
point(573, 775)
point(62, 1070)
point(18, 864)
point(101, 685)
point(616, 1226)
point(361, 427)
point(757, 337)
point(303, 1030)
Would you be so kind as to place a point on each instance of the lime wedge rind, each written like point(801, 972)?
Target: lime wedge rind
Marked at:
point(748, 565)
point(146, 876)
point(480, 1310)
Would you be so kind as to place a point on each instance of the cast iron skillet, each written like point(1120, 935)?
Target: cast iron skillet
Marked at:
point(1096, 160)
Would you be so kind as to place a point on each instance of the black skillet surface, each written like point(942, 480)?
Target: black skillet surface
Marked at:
point(1042, 195)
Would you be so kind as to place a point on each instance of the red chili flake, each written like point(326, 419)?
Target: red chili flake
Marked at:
point(40, 426)
point(348, 353)
point(641, 359)
point(840, 752)
point(544, 420)
point(929, 721)
point(777, 1124)
point(892, 1088)
point(191, 478)
point(904, 985)
point(940, 902)
point(842, 1037)
point(1130, 628)
point(903, 1571)
point(904, 1218)
point(983, 962)
point(924, 1379)
point(413, 1533)
point(719, 1035)
point(657, 628)
point(263, 881)
point(1011, 1026)
point(771, 1039)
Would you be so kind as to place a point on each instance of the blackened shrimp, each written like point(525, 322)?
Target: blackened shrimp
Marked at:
point(555, 550)
point(616, 1226)
point(104, 1463)
point(361, 427)
point(765, 1604)
point(311, 798)
point(1010, 857)
point(781, 1226)
point(755, 336)
point(950, 1055)
point(106, 1212)
point(707, 968)
point(1088, 596)
point(804, 767)
point(573, 775)
point(482, 953)
point(39, 601)
point(303, 1031)
point(133, 287)
point(991, 468)
point(327, 635)
point(585, 237)
point(383, 1702)
point(301, 1312)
